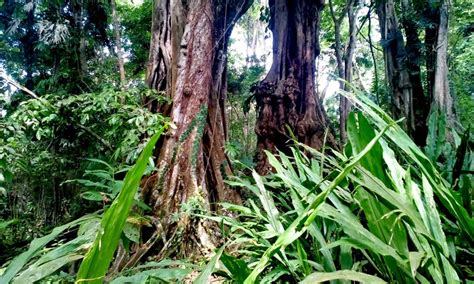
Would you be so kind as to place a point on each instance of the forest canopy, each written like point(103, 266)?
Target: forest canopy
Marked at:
point(236, 141)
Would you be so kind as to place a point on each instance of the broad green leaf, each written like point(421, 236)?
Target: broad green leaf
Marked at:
point(360, 133)
point(237, 267)
point(46, 269)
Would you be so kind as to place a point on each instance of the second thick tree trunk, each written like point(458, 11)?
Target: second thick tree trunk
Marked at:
point(286, 97)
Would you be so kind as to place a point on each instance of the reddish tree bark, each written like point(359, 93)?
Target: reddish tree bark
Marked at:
point(188, 58)
point(286, 97)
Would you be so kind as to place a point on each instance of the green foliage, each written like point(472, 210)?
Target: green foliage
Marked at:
point(47, 263)
point(242, 114)
point(39, 262)
point(367, 212)
point(203, 277)
point(136, 30)
point(461, 59)
point(52, 42)
point(97, 260)
point(49, 141)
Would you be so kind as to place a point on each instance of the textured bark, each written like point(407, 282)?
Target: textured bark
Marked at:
point(413, 50)
point(431, 15)
point(345, 105)
point(78, 28)
point(403, 62)
point(188, 62)
point(441, 95)
point(158, 71)
point(286, 97)
point(396, 65)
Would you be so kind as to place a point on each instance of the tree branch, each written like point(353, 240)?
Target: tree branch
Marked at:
point(15, 84)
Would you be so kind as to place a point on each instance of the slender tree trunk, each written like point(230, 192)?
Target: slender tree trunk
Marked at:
point(81, 61)
point(28, 43)
point(286, 97)
point(118, 44)
point(188, 58)
point(338, 50)
point(441, 94)
point(344, 62)
point(431, 15)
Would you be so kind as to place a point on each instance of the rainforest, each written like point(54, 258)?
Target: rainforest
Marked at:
point(236, 141)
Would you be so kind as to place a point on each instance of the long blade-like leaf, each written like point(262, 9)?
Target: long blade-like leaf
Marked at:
point(98, 258)
point(301, 224)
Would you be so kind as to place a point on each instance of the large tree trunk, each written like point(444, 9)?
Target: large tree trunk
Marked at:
point(436, 44)
point(286, 97)
point(396, 65)
point(188, 61)
point(158, 71)
point(413, 50)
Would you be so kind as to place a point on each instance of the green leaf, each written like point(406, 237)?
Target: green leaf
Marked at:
point(48, 268)
point(268, 204)
point(98, 258)
point(92, 196)
point(301, 224)
point(36, 245)
point(132, 232)
point(237, 268)
point(411, 151)
point(5, 224)
point(319, 277)
point(171, 275)
point(203, 277)
point(360, 133)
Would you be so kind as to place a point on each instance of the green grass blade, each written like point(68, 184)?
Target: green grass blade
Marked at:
point(33, 275)
point(97, 260)
point(268, 204)
point(319, 277)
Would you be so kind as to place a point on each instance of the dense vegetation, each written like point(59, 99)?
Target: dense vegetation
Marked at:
point(288, 141)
